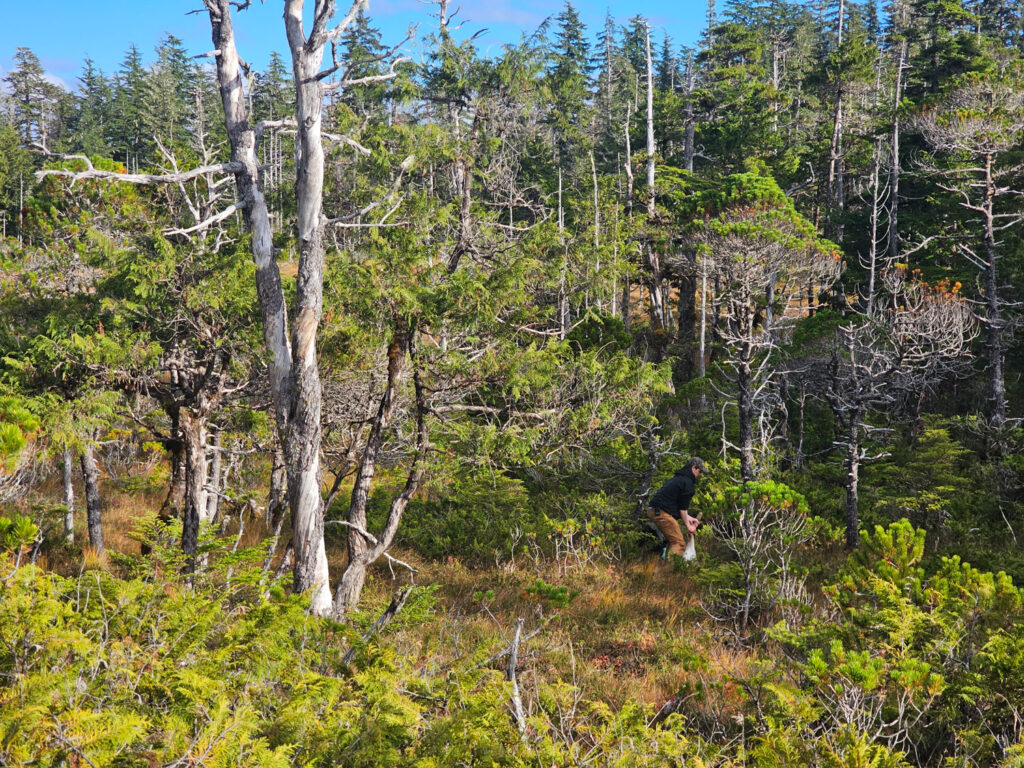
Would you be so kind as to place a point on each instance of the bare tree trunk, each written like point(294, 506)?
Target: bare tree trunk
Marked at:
point(463, 183)
point(894, 179)
point(629, 165)
point(354, 577)
point(802, 400)
point(302, 444)
point(852, 481)
point(690, 133)
point(563, 296)
point(193, 433)
point(242, 138)
point(277, 499)
point(67, 465)
point(745, 408)
point(687, 328)
point(597, 232)
point(835, 159)
point(513, 662)
point(659, 309)
point(216, 478)
point(993, 310)
point(627, 315)
point(872, 260)
point(351, 585)
point(650, 123)
point(93, 509)
point(174, 502)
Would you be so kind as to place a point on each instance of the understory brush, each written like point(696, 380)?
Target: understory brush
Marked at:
point(884, 660)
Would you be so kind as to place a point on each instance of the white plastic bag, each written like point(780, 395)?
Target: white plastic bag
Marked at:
point(691, 550)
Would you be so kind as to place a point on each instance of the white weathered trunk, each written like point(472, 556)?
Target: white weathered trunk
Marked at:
point(302, 443)
point(993, 305)
point(836, 195)
point(216, 479)
point(67, 465)
point(242, 138)
point(650, 124)
point(894, 178)
point(294, 375)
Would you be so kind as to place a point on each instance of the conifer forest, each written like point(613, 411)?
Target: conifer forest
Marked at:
point(334, 393)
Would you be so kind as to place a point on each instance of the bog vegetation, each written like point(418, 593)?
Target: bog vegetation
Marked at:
point(331, 395)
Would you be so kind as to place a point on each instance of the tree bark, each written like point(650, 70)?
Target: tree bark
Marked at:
point(993, 310)
point(93, 509)
point(852, 481)
point(193, 433)
point(745, 410)
point(174, 502)
point(894, 179)
point(650, 124)
point(277, 499)
point(67, 465)
point(687, 329)
point(690, 132)
point(836, 195)
point(659, 310)
point(294, 375)
point(302, 443)
point(352, 580)
point(216, 479)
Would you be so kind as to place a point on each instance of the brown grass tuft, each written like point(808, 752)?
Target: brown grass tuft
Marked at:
point(93, 560)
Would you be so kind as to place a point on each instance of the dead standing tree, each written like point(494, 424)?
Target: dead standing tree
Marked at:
point(918, 336)
point(293, 370)
point(977, 127)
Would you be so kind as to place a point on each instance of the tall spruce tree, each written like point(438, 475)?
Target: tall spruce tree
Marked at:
point(90, 132)
point(128, 139)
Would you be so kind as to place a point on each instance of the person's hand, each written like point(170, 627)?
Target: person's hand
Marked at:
point(692, 523)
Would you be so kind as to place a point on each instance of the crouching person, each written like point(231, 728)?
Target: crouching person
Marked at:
point(671, 505)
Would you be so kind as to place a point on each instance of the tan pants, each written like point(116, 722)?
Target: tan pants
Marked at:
point(670, 529)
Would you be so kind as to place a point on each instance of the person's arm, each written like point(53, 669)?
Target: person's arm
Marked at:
point(691, 522)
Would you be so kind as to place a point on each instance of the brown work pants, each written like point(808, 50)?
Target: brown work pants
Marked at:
point(670, 529)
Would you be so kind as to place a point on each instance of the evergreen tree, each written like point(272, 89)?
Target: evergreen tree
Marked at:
point(34, 98)
point(568, 82)
point(15, 176)
point(364, 57)
point(273, 95)
point(736, 100)
point(128, 130)
point(91, 128)
point(168, 96)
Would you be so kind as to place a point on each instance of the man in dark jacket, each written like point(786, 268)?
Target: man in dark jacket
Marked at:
point(671, 504)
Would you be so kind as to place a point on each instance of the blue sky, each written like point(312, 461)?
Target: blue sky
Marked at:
point(62, 33)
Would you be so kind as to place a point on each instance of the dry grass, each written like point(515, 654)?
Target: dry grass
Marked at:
point(634, 630)
point(94, 560)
